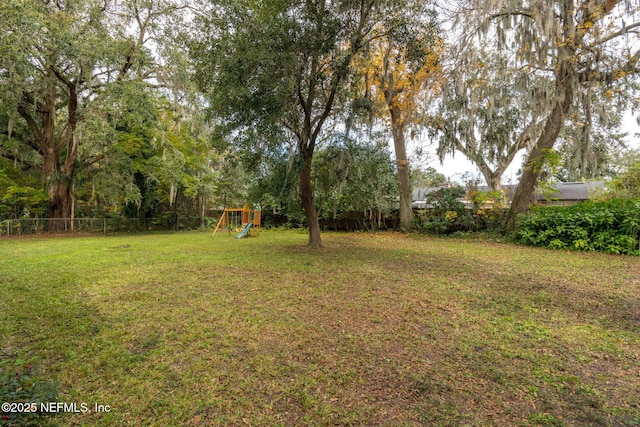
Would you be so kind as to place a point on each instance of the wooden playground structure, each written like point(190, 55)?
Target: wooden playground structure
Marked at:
point(245, 221)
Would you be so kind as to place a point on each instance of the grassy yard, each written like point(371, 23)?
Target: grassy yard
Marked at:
point(376, 329)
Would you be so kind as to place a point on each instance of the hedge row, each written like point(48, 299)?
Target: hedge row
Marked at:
point(611, 226)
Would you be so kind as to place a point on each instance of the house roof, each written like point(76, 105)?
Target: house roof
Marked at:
point(574, 190)
point(563, 191)
point(419, 194)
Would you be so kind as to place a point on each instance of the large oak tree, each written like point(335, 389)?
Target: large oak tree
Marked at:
point(277, 71)
point(573, 43)
point(487, 116)
point(58, 59)
point(401, 71)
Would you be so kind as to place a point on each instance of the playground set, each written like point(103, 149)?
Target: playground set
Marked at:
point(245, 221)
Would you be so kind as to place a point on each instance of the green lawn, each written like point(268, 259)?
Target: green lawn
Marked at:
point(375, 329)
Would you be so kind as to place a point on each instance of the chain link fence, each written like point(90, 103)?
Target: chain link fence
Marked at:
point(27, 226)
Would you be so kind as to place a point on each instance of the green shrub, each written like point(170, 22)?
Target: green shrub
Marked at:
point(20, 383)
point(627, 185)
point(446, 212)
point(489, 209)
point(611, 226)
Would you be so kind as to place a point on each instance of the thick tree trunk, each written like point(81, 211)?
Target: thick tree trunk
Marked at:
point(73, 207)
point(58, 191)
point(492, 178)
point(308, 201)
point(404, 180)
point(494, 183)
point(60, 182)
point(59, 205)
point(59, 152)
point(535, 160)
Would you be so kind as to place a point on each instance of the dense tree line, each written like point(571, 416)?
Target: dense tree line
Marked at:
point(144, 108)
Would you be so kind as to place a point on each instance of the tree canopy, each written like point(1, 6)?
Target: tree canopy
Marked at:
point(142, 108)
point(280, 70)
point(62, 63)
point(486, 115)
point(573, 44)
point(401, 71)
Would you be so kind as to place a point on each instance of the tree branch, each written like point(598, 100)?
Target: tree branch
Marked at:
point(31, 123)
point(512, 13)
point(29, 164)
point(626, 30)
point(93, 161)
point(630, 67)
point(590, 17)
point(301, 100)
point(61, 77)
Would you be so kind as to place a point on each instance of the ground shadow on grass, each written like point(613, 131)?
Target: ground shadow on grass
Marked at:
point(497, 330)
point(370, 330)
